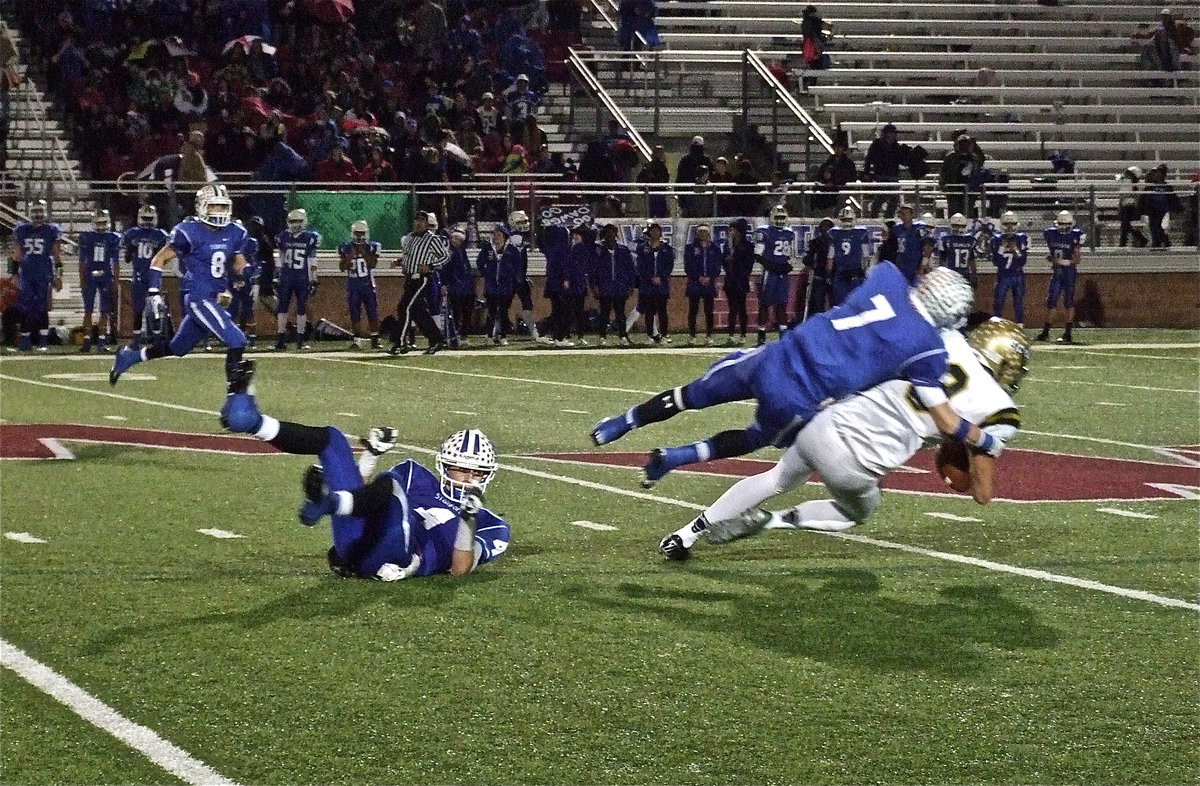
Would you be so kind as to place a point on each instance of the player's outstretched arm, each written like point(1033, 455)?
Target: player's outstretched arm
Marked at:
point(466, 550)
point(983, 475)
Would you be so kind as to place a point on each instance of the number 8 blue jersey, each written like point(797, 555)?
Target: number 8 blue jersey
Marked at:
point(205, 253)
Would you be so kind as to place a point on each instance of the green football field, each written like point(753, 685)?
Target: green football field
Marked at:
point(166, 619)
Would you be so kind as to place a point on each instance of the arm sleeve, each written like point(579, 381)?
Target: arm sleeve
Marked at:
point(180, 242)
point(491, 536)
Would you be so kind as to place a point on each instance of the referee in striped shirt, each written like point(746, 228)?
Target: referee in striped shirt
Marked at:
point(422, 253)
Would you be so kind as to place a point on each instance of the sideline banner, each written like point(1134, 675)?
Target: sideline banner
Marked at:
point(332, 212)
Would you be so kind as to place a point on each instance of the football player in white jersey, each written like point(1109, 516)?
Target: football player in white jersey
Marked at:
point(854, 443)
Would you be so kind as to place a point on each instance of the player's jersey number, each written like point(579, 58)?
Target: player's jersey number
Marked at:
point(882, 310)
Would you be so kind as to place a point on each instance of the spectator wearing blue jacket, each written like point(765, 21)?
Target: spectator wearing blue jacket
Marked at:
point(459, 280)
point(655, 261)
point(498, 263)
point(573, 286)
point(702, 260)
point(612, 277)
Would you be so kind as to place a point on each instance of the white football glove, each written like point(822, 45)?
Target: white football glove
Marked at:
point(472, 501)
point(224, 299)
point(380, 440)
point(155, 303)
point(390, 571)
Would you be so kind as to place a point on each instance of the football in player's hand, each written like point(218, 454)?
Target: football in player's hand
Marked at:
point(954, 465)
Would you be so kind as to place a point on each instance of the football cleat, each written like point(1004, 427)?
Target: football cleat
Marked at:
point(336, 565)
point(241, 378)
point(746, 525)
point(673, 549)
point(656, 468)
point(127, 358)
point(434, 348)
point(240, 414)
point(611, 429)
point(314, 486)
point(380, 440)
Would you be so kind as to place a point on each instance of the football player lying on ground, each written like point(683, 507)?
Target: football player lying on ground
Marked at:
point(884, 330)
point(854, 443)
point(406, 522)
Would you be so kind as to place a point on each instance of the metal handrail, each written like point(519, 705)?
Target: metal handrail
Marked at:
point(602, 95)
point(781, 92)
point(62, 164)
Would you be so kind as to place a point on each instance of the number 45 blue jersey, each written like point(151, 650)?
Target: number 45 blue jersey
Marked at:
point(205, 252)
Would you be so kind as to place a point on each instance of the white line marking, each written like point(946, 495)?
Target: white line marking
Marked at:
point(348, 414)
point(1126, 513)
point(953, 517)
point(1152, 448)
point(1192, 391)
point(100, 377)
point(1110, 404)
point(145, 741)
point(1028, 572)
point(1176, 358)
point(106, 394)
point(461, 412)
point(220, 533)
point(57, 448)
point(1038, 574)
point(23, 537)
point(573, 411)
point(593, 525)
point(115, 417)
point(1069, 368)
point(1186, 492)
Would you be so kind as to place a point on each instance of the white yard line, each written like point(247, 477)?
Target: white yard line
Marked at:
point(1129, 514)
point(1037, 574)
point(145, 741)
point(1192, 391)
point(593, 525)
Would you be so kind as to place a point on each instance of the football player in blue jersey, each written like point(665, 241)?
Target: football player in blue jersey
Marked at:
point(99, 268)
point(774, 248)
point(1065, 243)
point(910, 243)
point(242, 293)
point(141, 243)
point(848, 248)
point(929, 241)
point(956, 250)
point(358, 258)
point(207, 246)
point(297, 276)
point(1010, 251)
point(404, 522)
point(885, 330)
point(37, 251)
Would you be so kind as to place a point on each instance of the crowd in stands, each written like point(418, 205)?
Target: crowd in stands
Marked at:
point(409, 90)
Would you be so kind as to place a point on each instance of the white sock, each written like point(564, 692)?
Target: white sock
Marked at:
point(748, 493)
point(268, 430)
point(345, 505)
point(281, 323)
point(301, 324)
point(142, 353)
point(366, 464)
point(533, 331)
point(821, 515)
point(691, 533)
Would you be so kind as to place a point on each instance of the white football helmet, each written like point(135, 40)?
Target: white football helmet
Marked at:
point(297, 220)
point(519, 221)
point(1009, 221)
point(930, 223)
point(360, 231)
point(1064, 221)
point(431, 221)
point(102, 221)
point(779, 216)
point(1003, 349)
point(847, 217)
point(946, 297)
point(148, 216)
point(213, 205)
point(470, 450)
point(38, 211)
point(958, 224)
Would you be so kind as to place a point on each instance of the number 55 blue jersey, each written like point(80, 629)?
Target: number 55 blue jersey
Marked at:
point(877, 334)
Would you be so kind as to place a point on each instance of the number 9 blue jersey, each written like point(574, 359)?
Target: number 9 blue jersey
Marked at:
point(205, 254)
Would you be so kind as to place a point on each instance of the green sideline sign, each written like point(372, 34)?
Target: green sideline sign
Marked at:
point(332, 212)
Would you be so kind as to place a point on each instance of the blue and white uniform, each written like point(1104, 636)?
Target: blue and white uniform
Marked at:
point(1010, 252)
point(876, 335)
point(35, 274)
point(1062, 247)
point(99, 253)
point(297, 255)
point(205, 255)
point(420, 520)
point(141, 244)
point(848, 247)
point(360, 279)
point(957, 252)
point(910, 248)
point(775, 247)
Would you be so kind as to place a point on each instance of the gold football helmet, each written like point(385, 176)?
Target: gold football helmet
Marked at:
point(1003, 348)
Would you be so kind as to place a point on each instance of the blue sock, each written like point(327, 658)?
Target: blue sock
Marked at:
point(674, 458)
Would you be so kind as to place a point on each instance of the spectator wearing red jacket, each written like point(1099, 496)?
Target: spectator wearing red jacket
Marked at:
point(337, 168)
